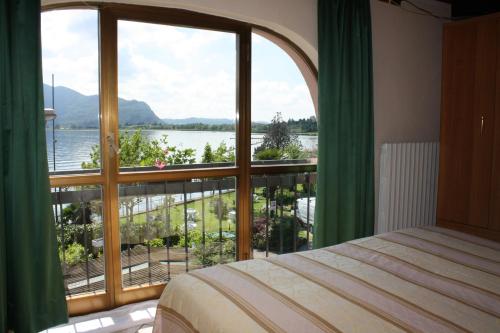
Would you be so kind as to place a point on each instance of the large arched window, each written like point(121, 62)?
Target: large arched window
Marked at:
point(180, 140)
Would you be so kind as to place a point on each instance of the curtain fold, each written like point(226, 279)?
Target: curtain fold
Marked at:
point(31, 282)
point(345, 194)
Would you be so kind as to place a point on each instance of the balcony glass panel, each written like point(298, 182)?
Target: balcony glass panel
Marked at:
point(282, 213)
point(80, 237)
point(168, 228)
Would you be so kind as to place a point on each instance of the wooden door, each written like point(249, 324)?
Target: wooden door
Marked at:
point(483, 122)
point(456, 133)
point(468, 102)
point(494, 223)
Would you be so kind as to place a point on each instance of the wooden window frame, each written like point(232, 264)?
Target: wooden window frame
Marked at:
point(110, 176)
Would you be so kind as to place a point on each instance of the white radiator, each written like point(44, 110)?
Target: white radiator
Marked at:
point(408, 185)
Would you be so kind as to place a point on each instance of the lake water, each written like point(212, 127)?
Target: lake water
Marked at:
point(73, 147)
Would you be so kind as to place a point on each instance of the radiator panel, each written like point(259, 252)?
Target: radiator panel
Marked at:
point(408, 185)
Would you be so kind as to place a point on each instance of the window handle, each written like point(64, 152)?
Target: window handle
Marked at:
point(112, 144)
point(482, 125)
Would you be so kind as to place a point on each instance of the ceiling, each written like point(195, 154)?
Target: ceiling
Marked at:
point(468, 8)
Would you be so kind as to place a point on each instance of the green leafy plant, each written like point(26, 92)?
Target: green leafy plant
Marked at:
point(73, 254)
point(223, 153)
point(156, 242)
point(268, 154)
point(137, 150)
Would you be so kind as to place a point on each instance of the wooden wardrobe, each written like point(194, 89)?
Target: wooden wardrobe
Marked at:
point(469, 173)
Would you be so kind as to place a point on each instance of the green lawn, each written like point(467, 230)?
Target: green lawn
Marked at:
point(211, 219)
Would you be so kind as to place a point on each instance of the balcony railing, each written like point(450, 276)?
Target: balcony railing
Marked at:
point(79, 226)
point(169, 228)
point(282, 213)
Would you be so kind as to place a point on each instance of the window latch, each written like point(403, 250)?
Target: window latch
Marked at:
point(113, 147)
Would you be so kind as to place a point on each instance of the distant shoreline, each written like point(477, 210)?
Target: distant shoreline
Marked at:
point(170, 129)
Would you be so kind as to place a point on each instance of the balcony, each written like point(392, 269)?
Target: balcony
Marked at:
point(168, 228)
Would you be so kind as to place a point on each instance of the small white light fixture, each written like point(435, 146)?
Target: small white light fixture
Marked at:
point(50, 114)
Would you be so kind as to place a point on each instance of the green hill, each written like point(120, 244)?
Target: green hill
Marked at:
point(75, 110)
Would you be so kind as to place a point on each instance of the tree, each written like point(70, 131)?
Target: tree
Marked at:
point(223, 153)
point(279, 142)
point(208, 156)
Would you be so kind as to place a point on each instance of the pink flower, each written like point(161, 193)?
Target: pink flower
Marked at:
point(159, 164)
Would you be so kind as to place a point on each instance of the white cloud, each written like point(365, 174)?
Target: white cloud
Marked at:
point(292, 100)
point(70, 52)
point(179, 72)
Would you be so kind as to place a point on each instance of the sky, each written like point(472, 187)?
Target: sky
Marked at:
point(179, 72)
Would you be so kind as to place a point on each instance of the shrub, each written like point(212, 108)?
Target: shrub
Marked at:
point(74, 254)
point(259, 234)
point(280, 235)
point(268, 154)
point(210, 254)
point(156, 242)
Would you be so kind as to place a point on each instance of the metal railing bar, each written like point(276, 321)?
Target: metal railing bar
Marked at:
point(220, 211)
point(85, 241)
point(202, 216)
point(185, 228)
point(267, 217)
point(148, 236)
point(295, 221)
point(167, 220)
point(308, 208)
point(281, 216)
point(63, 246)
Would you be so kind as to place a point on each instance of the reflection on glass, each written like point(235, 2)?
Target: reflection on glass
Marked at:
point(177, 89)
point(170, 228)
point(80, 237)
point(282, 213)
point(284, 127)
point(71, 86)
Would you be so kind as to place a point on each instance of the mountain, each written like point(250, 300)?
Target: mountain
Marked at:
point(194, 120)
point(80, 111)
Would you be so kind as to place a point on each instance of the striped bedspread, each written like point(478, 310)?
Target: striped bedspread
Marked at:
point(414, 280)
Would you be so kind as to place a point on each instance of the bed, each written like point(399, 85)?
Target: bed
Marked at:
point(427, 279)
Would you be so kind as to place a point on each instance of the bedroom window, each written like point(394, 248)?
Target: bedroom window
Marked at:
point(164, 128)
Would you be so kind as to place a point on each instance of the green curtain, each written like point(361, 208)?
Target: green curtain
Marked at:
point(31, 283)
point(345, 194)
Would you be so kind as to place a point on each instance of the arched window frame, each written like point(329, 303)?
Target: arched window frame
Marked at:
point(110, 175)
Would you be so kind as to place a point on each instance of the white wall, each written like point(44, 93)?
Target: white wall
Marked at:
point(407, 76)
point(406, 56)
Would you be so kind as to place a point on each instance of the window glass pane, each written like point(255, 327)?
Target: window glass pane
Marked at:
point(282, 213)
point(284, 128)
point(172, 227)
point(80, 237)
point(70, 53)
point(177, 89)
